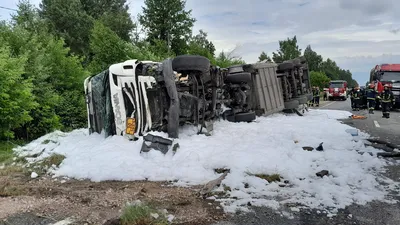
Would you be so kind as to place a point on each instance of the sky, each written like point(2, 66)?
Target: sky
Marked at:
point(357, 34)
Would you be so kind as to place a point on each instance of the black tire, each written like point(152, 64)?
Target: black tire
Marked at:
point(292, 104)
point(237, 78)
point(302, 99)
point(286, 66)
point(236, 69)
point(245, 117)
point(191, 63)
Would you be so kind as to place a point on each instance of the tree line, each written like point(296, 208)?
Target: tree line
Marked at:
point(321, 71)
point(46, 52)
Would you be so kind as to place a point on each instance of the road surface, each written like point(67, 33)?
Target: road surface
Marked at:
point(374, 213)
point(375, 125)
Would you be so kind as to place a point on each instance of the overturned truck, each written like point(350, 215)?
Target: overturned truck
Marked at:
point(134, 97)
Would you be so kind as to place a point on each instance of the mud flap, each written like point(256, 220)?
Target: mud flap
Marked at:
point(173, 112)
point(153, 142)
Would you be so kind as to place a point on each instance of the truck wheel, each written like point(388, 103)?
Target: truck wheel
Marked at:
point(191, 63)
point(291, 104)
point(236, 69)
point(245, 117)
point(237, 78)
point(286, 66)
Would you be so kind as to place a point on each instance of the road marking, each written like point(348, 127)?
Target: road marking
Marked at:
point(327, 105)
point(376, 123)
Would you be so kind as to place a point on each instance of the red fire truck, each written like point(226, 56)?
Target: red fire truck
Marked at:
point(337, 90)
point(387, 74)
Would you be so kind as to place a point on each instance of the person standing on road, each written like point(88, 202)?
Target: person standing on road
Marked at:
point(352, 91)
point(387, 99)
point(316, 94)
point(371, 96)
point(357, 99)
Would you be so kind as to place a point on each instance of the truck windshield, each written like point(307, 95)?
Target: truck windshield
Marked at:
point(336, 85)
point(389, 76)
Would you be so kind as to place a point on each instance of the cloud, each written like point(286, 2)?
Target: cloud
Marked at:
point(356, 33)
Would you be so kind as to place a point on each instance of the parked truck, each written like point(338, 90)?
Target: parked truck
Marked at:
point(387, 74)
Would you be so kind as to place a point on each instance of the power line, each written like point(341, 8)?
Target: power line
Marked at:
point(2, 7)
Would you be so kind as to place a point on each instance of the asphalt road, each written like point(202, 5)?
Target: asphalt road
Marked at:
point(374, 124)
point(374, 213)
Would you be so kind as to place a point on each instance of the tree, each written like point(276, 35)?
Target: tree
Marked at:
point(112, 13)
point(330, 68)
point(314, 60)
point(200, 45)
point(288, 49)
point(263, 56)
point(68, 19)
point(319, 79)
point(168, 21)
point(227, 59)
point(16, 98)
point(74, 19)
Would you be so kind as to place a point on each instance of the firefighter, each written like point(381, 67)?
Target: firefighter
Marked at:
point(352, 97)
point(316, 94)
point(387, 99)
point(371, 96)
point(356, 99)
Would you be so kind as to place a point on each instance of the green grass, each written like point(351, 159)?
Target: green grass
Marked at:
point(270, 178)
point(55, 159)
point(6, 153)
point(141, 215)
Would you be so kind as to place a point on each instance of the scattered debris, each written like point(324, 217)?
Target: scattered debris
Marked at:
point(157, 143)
point(388, 154)
point(308, 148)
point(295, 209)
point(358, 117)
point(350, 216)
point(34, 175)
point(380, 146)
point(246, 185)
point(222, 170)
point(388, 144)
point(296, 141)
point(322, 173)
point(204, 192)
point(320, 147)
point(353, 132)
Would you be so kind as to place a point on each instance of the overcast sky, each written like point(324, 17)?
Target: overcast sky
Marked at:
point(357, 34)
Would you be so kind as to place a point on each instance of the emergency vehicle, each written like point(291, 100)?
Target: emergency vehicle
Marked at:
point(387, 74)
point(337, 90)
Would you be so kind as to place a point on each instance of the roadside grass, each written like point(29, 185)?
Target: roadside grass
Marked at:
point(6, 153)
point(142, 214)
point(268, 177)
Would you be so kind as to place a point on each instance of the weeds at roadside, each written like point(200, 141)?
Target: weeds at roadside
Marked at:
point(142, 215)
point(270, 178)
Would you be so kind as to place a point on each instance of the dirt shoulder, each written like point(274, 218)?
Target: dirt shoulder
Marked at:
point(94, 203)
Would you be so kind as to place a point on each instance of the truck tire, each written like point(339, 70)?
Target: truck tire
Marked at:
point(245, 117)
point(191, 63)
point(237, 78)
point(236, 69)
point(291, 104)
point(302, 99)
point(285, 66)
